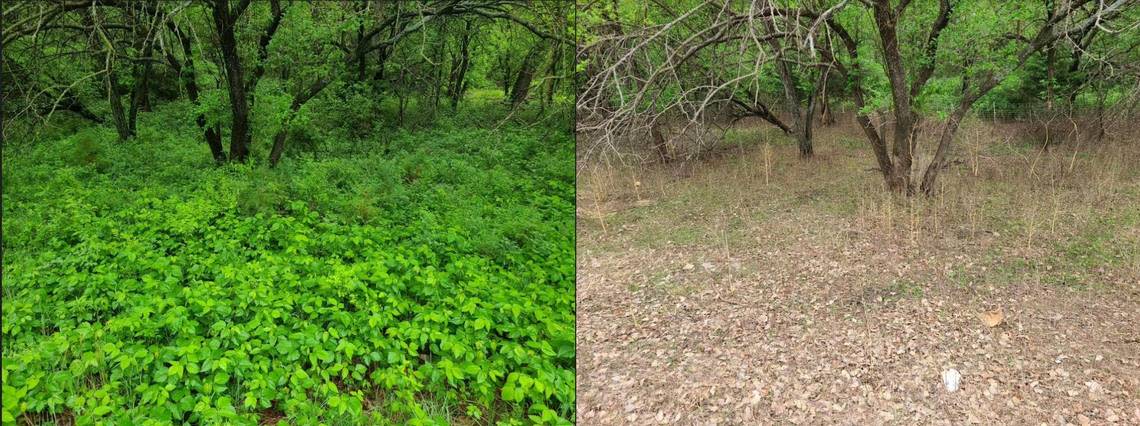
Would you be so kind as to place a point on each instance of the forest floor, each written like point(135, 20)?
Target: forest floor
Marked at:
point(740, 290)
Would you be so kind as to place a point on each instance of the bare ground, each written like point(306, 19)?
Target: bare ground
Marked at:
point(711, 296)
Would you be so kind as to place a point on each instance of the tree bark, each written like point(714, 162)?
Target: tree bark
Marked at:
point(115, 97)
point(521, 87)
point(142, 86)
point(931, 175)
point(825, 116)
point(899, 179)
point(552, 78)
point(459, 66)
point(224, 22)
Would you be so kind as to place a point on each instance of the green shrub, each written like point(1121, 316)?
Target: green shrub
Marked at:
point(88, 149)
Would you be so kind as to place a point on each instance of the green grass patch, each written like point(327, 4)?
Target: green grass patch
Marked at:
point(1100, 245)
point(903, 289)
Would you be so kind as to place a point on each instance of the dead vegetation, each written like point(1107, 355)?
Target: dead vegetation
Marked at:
point(749, 286)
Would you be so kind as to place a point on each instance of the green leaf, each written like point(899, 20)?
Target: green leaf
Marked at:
point(175, 369)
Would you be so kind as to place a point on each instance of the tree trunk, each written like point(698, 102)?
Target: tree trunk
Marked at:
point(437, 84)
point(805, 129)
point(276, 14)
point(1050, 75)
point(278, 147)
point(360, 64)
point(552, 71)
point(298, 102)
point(659, 144)
point(72, 103)
point(800, 124)
point(855, 76)
point(379, 75)
point(931, 175)
point(188, 74)
point(111, 80)
point(115, 97)
point(521, 88)
point(139, 71)
point(1101, 95)
point(825, 116)
point(459, 67)
point(899, 179)
point(139, 92)
point(239, 131)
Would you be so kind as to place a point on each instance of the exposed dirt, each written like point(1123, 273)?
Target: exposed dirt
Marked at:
point(721, 299)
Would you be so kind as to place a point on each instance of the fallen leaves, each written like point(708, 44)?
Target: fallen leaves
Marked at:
point(992, 318)
point(798, 350)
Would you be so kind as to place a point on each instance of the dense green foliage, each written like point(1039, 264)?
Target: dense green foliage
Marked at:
point(428, 279)
point(240, 212)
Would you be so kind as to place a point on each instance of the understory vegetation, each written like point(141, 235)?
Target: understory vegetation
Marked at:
point(385, 237)
point(433, 278)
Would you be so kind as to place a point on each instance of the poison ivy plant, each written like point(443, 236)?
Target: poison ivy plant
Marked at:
point(352, 289)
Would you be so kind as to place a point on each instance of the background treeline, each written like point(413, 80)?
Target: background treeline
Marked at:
point(907, 72)
point(270, 71)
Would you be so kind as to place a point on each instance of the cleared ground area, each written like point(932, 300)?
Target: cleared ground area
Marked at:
point(752, 287)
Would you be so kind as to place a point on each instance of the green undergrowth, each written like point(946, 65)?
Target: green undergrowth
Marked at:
point(144, 285)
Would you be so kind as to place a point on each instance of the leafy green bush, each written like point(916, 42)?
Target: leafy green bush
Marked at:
point(88, 149)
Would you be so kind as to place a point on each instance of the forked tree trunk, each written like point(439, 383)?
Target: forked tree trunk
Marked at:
point(457, 81)
point(903, 138)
